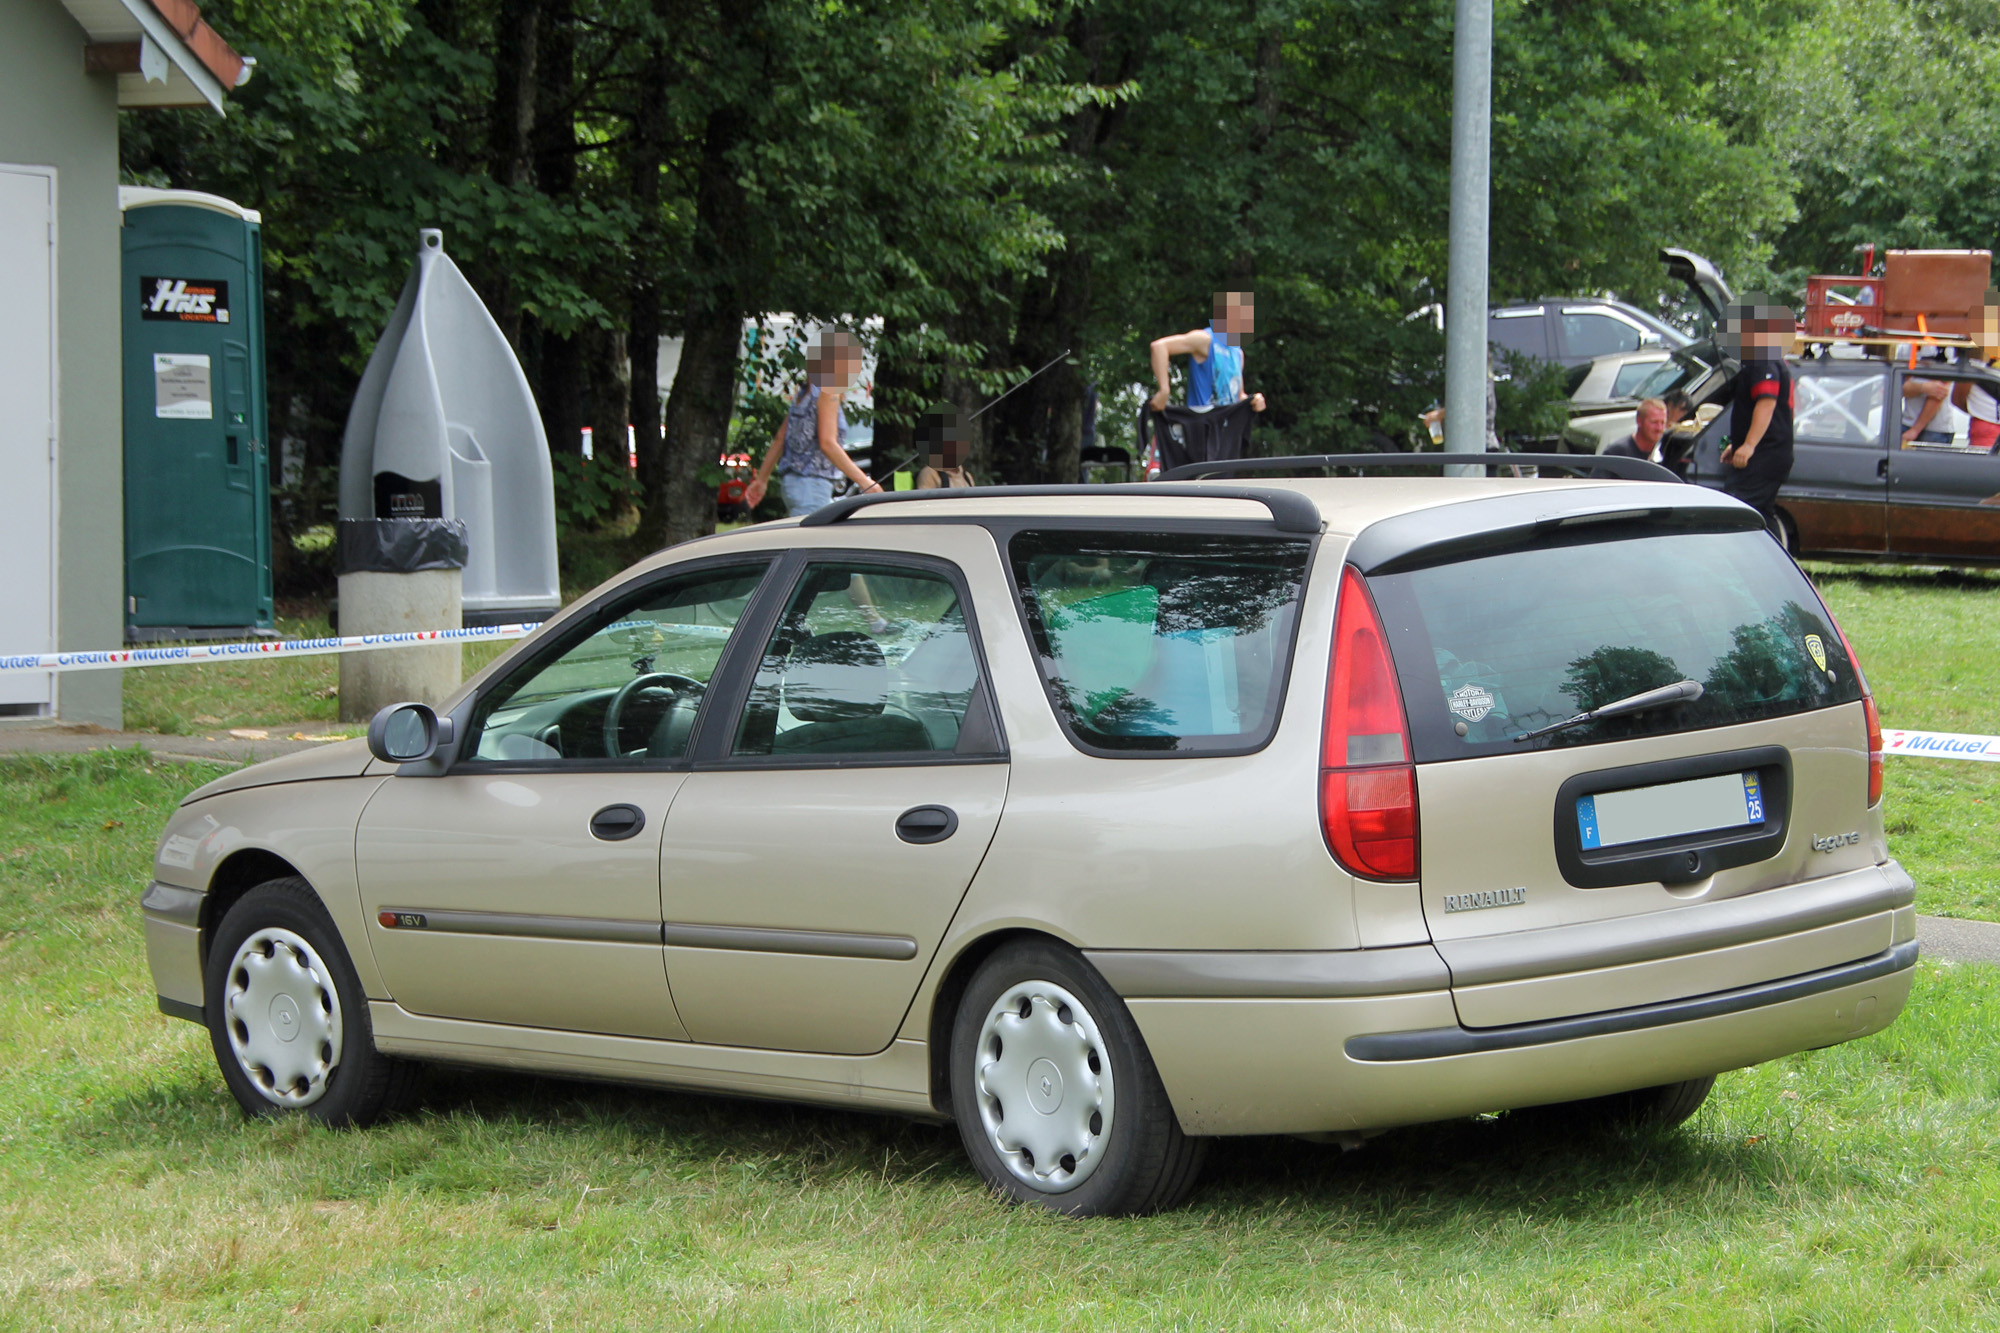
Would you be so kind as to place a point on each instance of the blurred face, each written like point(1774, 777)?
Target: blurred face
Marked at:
point(1236, 312)
point(1652, 424)
point(1757, 331)
point(835, 363)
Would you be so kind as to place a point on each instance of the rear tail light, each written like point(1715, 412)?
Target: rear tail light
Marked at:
point(1871, 715)
point(1367, 784)
point(1874, 747)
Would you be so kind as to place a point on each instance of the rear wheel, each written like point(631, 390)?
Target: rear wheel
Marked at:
point(1661, 1108)
point(286, 1015)
point(1055, 1095)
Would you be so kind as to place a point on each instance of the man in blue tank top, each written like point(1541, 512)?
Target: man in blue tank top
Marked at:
point(1215, 367)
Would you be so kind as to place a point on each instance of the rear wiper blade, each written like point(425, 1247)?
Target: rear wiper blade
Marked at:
point(1681, 692)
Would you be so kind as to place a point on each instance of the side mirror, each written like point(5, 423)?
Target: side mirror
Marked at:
point(407, 733)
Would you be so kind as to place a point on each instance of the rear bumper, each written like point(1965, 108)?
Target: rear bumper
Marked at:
point(1278, 1066)
point(1432, 1043)
point(1264, 1043)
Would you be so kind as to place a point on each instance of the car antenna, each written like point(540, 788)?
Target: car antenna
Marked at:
point(1059, 356)
point(976, 415)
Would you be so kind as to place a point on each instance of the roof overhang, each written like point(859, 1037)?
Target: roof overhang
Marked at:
point(162, 52)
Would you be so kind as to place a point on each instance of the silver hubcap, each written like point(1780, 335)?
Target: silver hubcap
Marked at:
point(283, 1016)
point(1044, 1083)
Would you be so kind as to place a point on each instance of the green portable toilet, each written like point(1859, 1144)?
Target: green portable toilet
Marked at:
point(197, 468)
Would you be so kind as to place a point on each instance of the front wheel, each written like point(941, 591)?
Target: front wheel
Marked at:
point(1055, 1094)
point(286, 1015)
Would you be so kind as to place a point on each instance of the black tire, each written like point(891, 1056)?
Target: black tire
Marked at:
point(1138, 1159)
point(1657, 1109)
point(1786, 531)
point(351, 1083)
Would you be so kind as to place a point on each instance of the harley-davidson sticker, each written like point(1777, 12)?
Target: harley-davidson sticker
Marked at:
point(1471, 702)
point(1816, 646)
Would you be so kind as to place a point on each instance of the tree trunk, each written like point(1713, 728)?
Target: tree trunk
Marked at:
point(903, 390)
point(510, 126)
point(553, 142)
point(608, 383)
point(560, 382)
point(981, 323)
point(649, 133)
point(704, 392)
point(562, 393)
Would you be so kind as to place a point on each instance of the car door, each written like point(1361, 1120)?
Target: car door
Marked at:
point(815, 856)
point(1943, 499)
point(1837, 495)
point(522, 885)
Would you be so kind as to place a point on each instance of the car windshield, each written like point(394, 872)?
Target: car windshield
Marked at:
point(1493, 647)
point(1152, 642)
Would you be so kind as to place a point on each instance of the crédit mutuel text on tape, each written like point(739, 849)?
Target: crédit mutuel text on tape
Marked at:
point(122, 659)
point(1941, 745)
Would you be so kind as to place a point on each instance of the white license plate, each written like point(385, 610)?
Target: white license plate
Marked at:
point(1671, 810)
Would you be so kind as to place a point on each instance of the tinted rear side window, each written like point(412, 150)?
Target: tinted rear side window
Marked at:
point(1155, 644)
point(1513, 641)
point(1519, 334)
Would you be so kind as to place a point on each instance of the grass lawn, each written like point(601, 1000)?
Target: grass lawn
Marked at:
point(1852, 1188)
point(1930, 643)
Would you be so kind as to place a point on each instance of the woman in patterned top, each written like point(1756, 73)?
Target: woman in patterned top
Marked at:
point(809, 451)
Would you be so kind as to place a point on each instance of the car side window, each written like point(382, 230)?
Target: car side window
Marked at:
point(1521, 334)
point(867, 659)
point(1588, 333)
point(1838, 409)
point(1630, 377)
point(627, 683)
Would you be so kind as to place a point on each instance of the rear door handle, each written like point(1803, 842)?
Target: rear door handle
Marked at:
point(1882, 467)
point(927, 823)
point(615, 823)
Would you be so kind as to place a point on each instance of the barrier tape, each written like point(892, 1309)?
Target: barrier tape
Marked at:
point(122, 659)
point(1920, 744)
point(1941, 745)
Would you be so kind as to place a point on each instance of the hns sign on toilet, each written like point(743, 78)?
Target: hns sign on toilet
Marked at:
point(184, 300)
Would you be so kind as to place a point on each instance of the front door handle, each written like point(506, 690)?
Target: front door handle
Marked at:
point(927, 823)
point(615, 823)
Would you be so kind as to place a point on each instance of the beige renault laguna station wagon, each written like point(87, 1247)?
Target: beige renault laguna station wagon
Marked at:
point(1100, 822)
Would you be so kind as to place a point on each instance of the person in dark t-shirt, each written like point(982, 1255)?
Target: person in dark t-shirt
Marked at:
point(1758, 456)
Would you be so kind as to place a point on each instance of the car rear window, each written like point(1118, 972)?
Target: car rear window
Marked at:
point(1161, 643)
point(1492, 647)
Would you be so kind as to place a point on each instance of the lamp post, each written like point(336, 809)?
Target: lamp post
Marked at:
point(1471, 189)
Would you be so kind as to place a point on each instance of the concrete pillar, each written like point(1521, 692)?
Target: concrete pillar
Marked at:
point(383, 603)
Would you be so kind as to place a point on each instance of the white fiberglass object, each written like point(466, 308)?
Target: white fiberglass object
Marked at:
point(444, 426)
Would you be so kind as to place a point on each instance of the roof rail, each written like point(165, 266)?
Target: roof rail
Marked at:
point(1290, 511)
point(1614, 465)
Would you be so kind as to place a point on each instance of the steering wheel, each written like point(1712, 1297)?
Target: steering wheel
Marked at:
point(614, 711)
